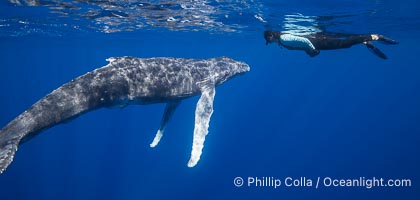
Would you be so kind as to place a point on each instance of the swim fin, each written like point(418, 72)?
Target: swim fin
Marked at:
point(386, 40)
point(375, 50)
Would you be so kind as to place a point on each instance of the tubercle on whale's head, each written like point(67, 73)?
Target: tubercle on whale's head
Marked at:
point(226, 68)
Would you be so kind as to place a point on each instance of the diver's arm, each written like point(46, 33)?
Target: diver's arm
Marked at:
point(297, 42)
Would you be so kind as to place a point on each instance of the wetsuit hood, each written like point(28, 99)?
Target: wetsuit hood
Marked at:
point(271, 37)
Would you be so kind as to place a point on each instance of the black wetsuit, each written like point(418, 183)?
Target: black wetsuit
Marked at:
point(327, 41)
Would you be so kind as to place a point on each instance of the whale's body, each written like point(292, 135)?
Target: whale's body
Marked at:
point(125, 81)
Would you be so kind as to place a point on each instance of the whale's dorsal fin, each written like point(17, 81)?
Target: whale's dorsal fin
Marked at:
point(169, 110)
point(203, 112)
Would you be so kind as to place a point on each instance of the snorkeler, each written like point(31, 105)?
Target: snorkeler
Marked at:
point(313, 43)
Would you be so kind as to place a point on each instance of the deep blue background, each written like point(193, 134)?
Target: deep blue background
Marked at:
point(343, 114)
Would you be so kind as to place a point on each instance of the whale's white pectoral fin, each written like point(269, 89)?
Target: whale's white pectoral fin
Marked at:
point(169, 111)
point(157, 138)
point(203, 112)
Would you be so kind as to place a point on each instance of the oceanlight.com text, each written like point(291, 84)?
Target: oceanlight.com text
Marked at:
point(319, 182)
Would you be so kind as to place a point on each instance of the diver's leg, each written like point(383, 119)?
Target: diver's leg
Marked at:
point(352, 40)
point(329, 42)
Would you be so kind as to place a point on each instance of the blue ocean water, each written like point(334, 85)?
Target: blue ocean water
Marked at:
point(344, 114)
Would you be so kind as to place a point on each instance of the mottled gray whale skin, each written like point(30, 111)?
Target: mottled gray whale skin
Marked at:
point(125, 81)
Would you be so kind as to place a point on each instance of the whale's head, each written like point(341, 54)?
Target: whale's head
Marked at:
point(225, 68)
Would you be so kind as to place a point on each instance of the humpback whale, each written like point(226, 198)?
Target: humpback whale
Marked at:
point(127, 81)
